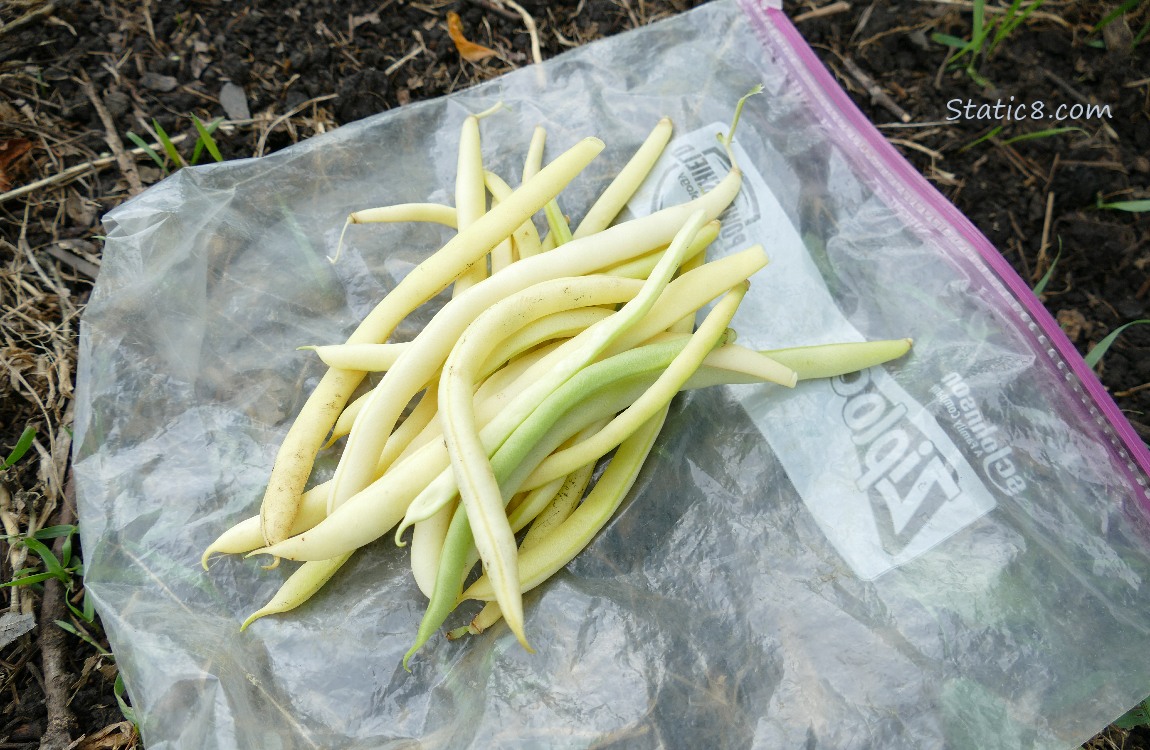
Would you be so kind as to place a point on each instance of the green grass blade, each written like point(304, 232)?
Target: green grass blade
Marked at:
point(64, 625)
point(962, 46)
point(1047, 133)
point(206, 140)
point(949, 41)
point(50, 561)
point(1103, 346)
point(1008, 18)
point(1026, 13)
point(1040, 287)
point(23, 444)
point(1113, 15)
point(993, 132)
point(118, 690)
point(147, 149)
point(976, 76)
point(77, 612)
point(197, 151)
point(66, 551)
point(1140, 35)
point(54, 532)
point(1012, 21)
point(981, 27)
point(1139, 716)
point(166, 142)
point(27, 580)
point(1131, 206)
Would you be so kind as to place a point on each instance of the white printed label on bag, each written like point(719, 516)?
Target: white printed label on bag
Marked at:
point(897, 485)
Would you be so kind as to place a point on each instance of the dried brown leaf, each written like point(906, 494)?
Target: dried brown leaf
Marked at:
point(117, 736)
point(468, 50)
point(10, 153)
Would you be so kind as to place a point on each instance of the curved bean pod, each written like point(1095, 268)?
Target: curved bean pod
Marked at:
point(669, 382)
point(293, 463)
point(299, 587)
point(478, 486)
point(510, 459)
point(538, 563)
point(608, 205)
point(431, 347)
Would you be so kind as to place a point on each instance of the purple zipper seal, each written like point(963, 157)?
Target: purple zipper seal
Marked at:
point(779, 34)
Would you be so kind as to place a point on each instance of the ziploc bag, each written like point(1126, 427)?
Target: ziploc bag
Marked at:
point(948, 551)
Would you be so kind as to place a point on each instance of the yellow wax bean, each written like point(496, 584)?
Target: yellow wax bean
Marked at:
point(293, 463)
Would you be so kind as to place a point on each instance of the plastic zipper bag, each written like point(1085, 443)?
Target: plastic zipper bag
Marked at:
point(944, 552)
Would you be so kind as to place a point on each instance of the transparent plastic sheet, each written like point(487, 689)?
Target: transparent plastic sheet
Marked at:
point(946, 552)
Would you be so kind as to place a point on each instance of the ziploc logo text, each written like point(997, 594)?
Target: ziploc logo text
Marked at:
point(908, 487)
point(982, 437)
point(697, 169)
point(905, 478)
point(882, 479)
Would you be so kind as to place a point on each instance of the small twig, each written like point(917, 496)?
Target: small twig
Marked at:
point(17, 553)
point(532, 29)
point(496, 9)
point(1113, 166)
point(989, 8)
point(917, 147)
point(827, 10)
point(1018, 161)
point(45, 10)
point(93, 165)
point(147, 11)
point(51, 284)
point(876, 93)
point(69, 173)
point(928, 124)
point(1045, 244)
point(286, 116)
point(1142, 290)
point(635, 23)
point(1054, 164)
point(112, 138)
point(559, 36)
point(1063, 84)
point(1132, 391)
point(80, 265)
point(938, 74)
point(864, 19)
point(1020, 237)
point(53, 646)
point(418, 48)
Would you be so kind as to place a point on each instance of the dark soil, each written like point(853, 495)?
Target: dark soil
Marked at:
point(1036, 200)
point(77, 75)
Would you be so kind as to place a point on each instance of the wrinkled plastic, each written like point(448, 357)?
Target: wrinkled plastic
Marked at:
point(743, 597)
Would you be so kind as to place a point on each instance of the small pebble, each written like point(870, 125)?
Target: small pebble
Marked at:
point(157, 82)
point(234, 102)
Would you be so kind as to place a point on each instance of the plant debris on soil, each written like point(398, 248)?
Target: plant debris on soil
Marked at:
point(84, 84)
